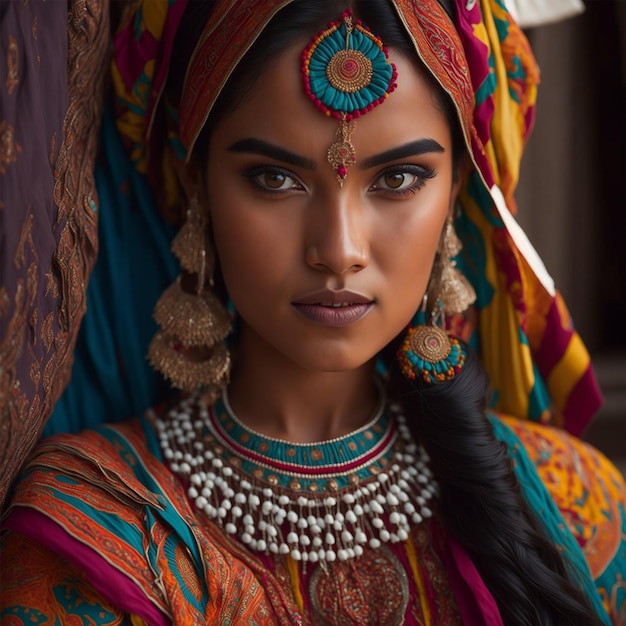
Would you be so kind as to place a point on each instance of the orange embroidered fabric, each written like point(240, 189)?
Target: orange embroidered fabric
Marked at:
point(54, 589)
point(109, 493)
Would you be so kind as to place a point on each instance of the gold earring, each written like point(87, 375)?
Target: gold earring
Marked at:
point(428, 351)
point(189, 349)
point(449, 288)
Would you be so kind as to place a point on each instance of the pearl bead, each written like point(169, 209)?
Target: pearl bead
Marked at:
point(253, 510)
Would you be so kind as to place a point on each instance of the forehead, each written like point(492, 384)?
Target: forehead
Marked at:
point(276, 106)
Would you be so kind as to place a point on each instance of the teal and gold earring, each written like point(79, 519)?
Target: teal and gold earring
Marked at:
point(346, 73)
point(428, 351)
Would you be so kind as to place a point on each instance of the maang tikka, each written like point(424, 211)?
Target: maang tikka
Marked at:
point(189, 348)
point(346, 73)
point(428, 351)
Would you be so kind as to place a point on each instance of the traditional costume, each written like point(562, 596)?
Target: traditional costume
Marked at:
point(184, 515)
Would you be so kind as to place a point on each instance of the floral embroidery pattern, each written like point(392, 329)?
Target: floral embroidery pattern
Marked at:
point(9, 148)
point(12, 66)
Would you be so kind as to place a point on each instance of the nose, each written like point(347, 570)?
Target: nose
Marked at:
point(338, 236)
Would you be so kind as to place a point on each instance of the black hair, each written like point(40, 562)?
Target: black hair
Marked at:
point(482, 504)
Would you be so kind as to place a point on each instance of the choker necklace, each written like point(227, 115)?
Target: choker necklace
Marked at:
point(317, 502)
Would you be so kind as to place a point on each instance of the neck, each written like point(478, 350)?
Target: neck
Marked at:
point(274, 396)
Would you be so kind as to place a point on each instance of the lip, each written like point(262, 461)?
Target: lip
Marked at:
point(318, 307)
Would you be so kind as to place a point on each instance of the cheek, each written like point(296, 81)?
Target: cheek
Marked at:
point(255, 248)
point(406, 247)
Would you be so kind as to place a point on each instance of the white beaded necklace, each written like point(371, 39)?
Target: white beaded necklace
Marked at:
point(335, 522)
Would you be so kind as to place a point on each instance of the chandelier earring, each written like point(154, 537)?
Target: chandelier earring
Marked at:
point(189, 347)
point(452, 288)
point(428, 351)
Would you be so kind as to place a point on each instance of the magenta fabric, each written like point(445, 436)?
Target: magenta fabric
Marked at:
point(108, 581)
point(475, 601)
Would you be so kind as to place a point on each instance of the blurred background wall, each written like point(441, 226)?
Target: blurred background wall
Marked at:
point(572, 194)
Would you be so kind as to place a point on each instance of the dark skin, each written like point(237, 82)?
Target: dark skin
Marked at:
point(292, 242)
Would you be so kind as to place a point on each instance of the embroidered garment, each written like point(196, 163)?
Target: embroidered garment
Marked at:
point(112, 531)
point(52, 73)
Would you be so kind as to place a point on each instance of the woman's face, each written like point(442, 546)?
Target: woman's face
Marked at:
point(325, 276)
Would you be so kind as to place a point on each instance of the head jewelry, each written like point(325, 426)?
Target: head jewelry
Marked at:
point(346, 73)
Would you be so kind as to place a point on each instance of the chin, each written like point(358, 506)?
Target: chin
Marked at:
point(336, 363)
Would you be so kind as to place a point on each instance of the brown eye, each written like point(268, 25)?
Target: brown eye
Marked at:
point(395, 181)
point(398, 181)
point(274, 180)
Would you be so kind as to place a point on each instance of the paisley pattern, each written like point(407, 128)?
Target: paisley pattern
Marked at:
point(375, 591)
point(67, 596)
point(121, 529)
point(109, 508)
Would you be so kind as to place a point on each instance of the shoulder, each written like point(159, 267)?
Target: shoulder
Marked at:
point(586, 487)
point(107, 462)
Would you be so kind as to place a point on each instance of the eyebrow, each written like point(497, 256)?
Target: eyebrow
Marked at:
point(414, 148)
point(252, 145)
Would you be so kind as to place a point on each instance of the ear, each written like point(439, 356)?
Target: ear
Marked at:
point(461, 170)
point(190, 178)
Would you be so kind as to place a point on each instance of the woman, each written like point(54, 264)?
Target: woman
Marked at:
point(344, 469)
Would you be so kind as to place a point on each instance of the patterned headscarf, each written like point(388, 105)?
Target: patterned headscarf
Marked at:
point(538, 365)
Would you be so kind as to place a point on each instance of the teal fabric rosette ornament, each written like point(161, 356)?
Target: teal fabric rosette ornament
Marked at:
point(347, 73)
point(431, 353)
